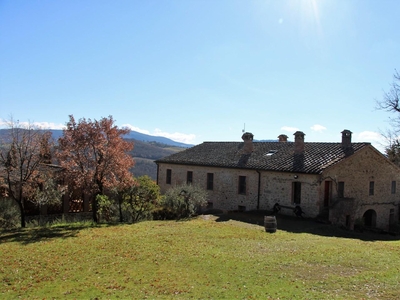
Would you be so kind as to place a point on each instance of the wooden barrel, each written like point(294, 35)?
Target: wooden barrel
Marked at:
point(270, 224)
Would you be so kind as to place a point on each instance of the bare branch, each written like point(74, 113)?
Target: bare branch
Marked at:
point(390, 102)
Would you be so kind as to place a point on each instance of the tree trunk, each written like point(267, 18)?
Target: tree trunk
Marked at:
point(23, 223)
point(94, 209)
point(94, 203)
point(22, 211)
point(121, 219)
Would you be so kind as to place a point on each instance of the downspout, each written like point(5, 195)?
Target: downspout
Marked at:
point(259, 189)
point(158, 169)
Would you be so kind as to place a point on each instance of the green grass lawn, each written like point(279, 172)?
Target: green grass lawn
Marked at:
point(196, 259)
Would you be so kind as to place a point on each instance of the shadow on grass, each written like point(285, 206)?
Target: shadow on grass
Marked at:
point(37, 234)
point(33, 235)
point(305, 225)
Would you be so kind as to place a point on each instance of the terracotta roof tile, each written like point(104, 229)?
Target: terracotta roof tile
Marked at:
point(316, 157)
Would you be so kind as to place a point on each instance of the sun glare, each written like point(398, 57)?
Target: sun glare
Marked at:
point(307, 14)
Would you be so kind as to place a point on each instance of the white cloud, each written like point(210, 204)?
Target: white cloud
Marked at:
point(40, 125)
point(289, 129)
point(133, 128)
point(177, 136)
point(318, 128)
point(46, 125)
point(375, 138)
point(369, 136)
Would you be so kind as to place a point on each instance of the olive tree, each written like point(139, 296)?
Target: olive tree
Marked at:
point(184, 201)
point(140, 200)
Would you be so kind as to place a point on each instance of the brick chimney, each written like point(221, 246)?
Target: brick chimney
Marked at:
point(282, 138)
point(247, 138)
point(346, 139)
point(299, 142)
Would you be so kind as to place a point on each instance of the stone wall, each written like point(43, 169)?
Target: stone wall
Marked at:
point(225, 194)
point(357, 172)
point(275, 187)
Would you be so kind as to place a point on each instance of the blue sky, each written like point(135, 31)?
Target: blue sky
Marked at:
point(198, 71)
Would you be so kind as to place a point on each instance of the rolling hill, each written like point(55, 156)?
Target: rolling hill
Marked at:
point(145, 153)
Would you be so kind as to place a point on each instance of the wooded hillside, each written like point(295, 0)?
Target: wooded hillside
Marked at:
point(145, 153)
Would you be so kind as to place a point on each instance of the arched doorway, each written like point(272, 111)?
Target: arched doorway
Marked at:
point(370, 218)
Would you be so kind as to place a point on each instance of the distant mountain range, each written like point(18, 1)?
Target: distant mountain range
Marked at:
point(134, 135)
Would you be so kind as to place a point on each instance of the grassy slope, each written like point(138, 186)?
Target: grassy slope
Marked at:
point(194, 259)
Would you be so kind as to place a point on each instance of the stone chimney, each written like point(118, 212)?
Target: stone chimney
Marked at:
point(299, 142)
point(346, 139)
point(247, 138)
point(283, 138)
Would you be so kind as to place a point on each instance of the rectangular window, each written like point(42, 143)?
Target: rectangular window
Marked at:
point(393, 189)
point(371, 187)
point(296, 192)
point(340, 192)
point(242, 185)
point(169, 176)
point(189, 177)
point(210, 181)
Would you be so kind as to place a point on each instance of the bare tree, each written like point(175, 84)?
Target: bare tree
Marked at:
point(390, 101)
point(21, 155)
point(391, 104)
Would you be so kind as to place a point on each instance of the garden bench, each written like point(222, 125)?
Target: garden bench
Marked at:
point(296, 209)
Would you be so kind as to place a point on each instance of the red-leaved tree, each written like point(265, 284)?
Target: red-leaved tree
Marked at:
point(95, 156)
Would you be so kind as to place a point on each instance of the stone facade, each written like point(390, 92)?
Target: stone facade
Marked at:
point(225, 193)
point(371, 182)
point(263, 189)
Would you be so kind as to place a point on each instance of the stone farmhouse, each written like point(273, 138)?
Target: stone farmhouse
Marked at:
point(342, 182)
